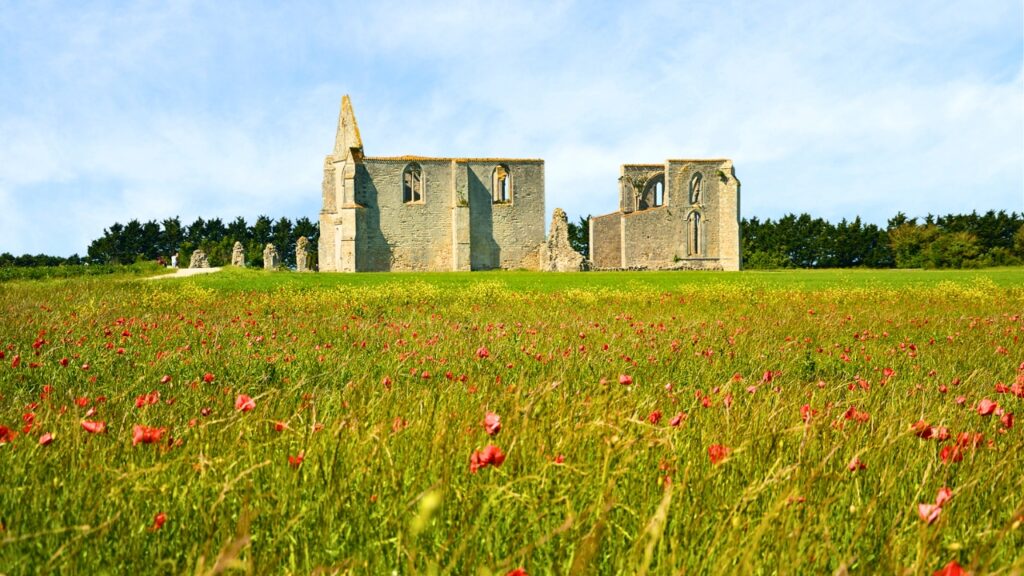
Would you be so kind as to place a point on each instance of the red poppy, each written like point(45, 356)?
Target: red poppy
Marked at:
point(625, 379)
point(492, 423)
point(856, 465)
point(718, 453)
point(483, 352)
point(94, 427)
point(491, 455)
point(5, 434)
point(280, 426)
point(296, 461)
point(677, 419)
point(146, 434)
point(518, 572)
point(244, 403)
point(986, 407)
point(951, 569)
point(1007, 420)
point(654, 417)
point(46, 439)
point(158, 522)
point(806, 413)
point(944, 495)
point(951, 453)
point(208, 377)
point(559, 459)
point(928, 512)
point(166, 379)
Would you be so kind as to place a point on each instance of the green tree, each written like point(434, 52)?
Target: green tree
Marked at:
point(579, 236)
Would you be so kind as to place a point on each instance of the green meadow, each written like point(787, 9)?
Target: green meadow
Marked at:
point(796, 422)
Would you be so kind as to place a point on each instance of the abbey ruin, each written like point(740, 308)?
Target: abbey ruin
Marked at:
point(417, 213)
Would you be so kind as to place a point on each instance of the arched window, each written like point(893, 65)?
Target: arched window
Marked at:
point(696, 183)
point(694, 240)
point(412, 184)
point(501, 184)
point(654, 192)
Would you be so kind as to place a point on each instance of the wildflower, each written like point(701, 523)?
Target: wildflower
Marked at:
point(654, 417)
point(158, 522)
point(483, 352)
point(718, 453)
point(280, 426)
point(492, 423)
point(296, 461)
point(46, 439)
point(1007, 420)
point(146, 434)
point(491, 455)
point(928, 512)
point(951, 453)
point(559, 459)
point(677, 419)
point(94, 427)
point(625, 379)
point(951, 569)
point(986, 407)
point(806, 413)
point(856, 465)
point(166, 379)
point(518, 572)
point(208, 377)
point(244, 403)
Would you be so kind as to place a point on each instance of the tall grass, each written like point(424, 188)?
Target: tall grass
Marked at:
point(381, 384)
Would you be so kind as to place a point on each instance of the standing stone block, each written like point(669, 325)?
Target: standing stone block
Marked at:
point(238, 255)
point(302, 254)
point(556, 253)
point(198, 260)
point(271, 261)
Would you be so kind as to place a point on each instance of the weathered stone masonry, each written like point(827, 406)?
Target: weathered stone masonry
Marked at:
point(418, 213)
point(680, 214)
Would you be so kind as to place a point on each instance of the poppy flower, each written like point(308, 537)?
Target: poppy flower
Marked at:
point(986, 407)
point(928, 512)
point(166, 379)
point(208, 377)
point(856, 465)
point(951, 569)
point(296, 461)
point(718, 453)
point(559, 459)
point(46, 439)
point(654, 417)
point(244, 403)
point(280, 426)
point(491, 455)
point(483, 352)
point(625, 379)
point(944, 495)
point(158, 522)
point(951, 453)
point(517, 572)
point(677, 419)
point(492, 423)
point(146, 434)
point(806, 413)
point(94, 427)
point(1007, 420)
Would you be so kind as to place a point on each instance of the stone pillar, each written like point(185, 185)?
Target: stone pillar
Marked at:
point(271, 260)
point(302, 255)
point(238, 255)
point(460, 218)
point(198, 260)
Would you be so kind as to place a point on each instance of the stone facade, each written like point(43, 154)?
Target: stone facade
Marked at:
point(410, 213)
point(238, 255)
point(683, 214)
point(556, 254)
point(271, 260)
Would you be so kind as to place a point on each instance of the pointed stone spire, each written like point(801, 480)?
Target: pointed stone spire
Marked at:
point(348, 132)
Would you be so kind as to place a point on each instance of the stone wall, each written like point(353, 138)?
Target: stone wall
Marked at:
point(505, 235)
point(606, 241)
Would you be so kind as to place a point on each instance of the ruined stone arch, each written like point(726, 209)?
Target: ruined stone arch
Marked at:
point(412, 184)
point(697, 188)
point(654, 192)
point(501, 184)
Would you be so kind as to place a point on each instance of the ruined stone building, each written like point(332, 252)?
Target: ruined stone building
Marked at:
point(417, 213)
point(680, 214)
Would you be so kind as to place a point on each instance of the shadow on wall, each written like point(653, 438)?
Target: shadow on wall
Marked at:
point(373, 253)
point(484, 252)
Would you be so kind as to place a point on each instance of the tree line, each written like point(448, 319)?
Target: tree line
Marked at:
point(952, 241)
point(160, 241)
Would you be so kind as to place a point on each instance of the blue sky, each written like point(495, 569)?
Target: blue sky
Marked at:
point(113, 111)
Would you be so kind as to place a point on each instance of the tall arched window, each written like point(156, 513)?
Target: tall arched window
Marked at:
point(696, 183)
point(501, 184)
point(694, 240)
point(412, 184)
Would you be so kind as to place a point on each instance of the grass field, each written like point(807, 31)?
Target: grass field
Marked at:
point(648, 423)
